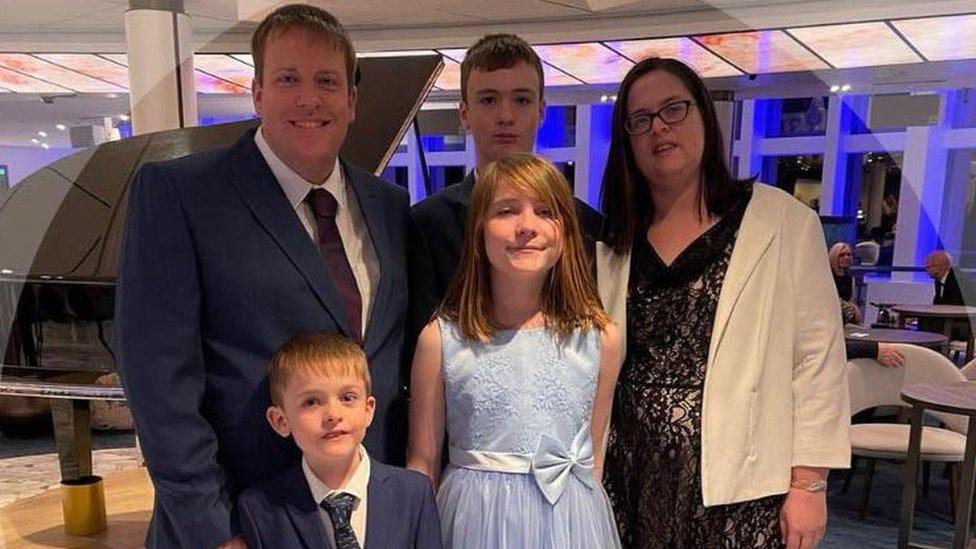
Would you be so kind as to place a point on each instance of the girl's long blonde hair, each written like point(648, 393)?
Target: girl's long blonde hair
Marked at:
point(569, 296)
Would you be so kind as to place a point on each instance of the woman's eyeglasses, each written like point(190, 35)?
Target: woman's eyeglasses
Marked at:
point(671, 114)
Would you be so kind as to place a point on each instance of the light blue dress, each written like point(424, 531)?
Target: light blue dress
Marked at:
point(518, 422)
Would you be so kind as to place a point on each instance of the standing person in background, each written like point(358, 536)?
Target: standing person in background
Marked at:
point(502, 105)
point(732, 403)
point(229, 254)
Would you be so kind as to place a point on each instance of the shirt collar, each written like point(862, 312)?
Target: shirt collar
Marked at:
point(356, 486)
point(295, 187)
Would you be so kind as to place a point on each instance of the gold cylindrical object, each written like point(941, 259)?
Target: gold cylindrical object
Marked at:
point(83, 503)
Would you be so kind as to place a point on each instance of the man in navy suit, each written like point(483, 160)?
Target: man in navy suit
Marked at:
point(228, 254)
point(337, 496)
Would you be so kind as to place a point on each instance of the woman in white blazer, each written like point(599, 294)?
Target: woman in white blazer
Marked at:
point(732, 401)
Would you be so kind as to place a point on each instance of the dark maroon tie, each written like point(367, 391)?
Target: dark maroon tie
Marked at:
point(324, 206)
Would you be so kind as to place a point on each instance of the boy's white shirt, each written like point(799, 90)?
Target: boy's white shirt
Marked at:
point(357, 486)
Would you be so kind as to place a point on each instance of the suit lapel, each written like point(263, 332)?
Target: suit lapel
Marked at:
point(755, 235)
point(372, 208)
point(379, 507)
point(263, 195)
point(304, 512)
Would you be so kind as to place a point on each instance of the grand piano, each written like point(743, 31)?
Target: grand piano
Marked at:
point(60, 230)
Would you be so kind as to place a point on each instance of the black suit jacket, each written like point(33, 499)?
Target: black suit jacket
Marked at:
point(951, 292)
point(436, 240)
point(216, 273)
point(401, 512)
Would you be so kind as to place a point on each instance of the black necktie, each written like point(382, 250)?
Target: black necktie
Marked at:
point(324, 207)
point(339, 507)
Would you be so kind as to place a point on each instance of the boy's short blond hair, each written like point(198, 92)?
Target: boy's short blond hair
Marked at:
point(326, 354)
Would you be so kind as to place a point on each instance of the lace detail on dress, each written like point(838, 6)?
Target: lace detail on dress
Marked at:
point(653, 457)
point(503, 394)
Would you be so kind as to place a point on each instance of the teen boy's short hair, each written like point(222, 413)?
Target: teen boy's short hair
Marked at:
point(326, 354)
point(499, 51)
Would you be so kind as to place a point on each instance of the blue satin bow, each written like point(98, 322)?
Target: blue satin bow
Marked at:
point(552, 463)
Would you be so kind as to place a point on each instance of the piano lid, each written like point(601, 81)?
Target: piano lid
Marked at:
point(64, 222)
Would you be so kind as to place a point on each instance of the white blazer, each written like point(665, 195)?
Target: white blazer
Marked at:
point(776, 379)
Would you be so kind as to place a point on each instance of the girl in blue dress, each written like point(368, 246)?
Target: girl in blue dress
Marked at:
point(519, 368)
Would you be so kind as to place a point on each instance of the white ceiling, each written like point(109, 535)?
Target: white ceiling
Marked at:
point(226, 25)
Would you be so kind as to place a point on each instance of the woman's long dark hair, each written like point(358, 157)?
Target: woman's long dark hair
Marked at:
point(624, 198)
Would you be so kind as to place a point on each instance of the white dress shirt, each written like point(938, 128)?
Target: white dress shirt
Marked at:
point(357, 487)
point(349, 220)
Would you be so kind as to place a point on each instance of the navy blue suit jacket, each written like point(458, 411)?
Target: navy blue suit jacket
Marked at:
point(216, 273)
point(400, 512)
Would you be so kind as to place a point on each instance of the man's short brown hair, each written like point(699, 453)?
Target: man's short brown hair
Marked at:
point(311, 18)
point(327, 354)
point(499, 51)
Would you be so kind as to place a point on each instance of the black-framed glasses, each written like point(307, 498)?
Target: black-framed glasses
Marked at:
point(671, 114)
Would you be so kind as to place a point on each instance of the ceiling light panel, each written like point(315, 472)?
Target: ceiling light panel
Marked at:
point(90, 65)
point(17, 82)
point(591, 62)
point(857, 44)
point(759, 52)
point(29, 65)
point(705, 63)
point(226, 68)
point(941, 38)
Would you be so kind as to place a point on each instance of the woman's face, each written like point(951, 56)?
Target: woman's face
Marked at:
point(666, 154)
point(845, 258)
point(522, 234)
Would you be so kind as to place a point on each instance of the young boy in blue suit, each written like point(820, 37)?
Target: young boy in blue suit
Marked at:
point(336, 496)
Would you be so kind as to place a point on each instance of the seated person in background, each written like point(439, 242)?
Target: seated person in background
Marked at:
point(337, 496)
point(841, 257)
point(938, 265)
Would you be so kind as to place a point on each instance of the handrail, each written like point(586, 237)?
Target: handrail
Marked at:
point(67, 391)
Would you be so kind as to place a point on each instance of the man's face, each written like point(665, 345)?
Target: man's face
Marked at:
point(937, 266)
point(502, 110)
point(305, 101)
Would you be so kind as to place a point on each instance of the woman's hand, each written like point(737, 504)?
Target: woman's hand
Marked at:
point(802, 518)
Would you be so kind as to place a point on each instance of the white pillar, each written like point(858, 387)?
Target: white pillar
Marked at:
point(751, 131)
point(162, 95)
point(415, 172)
point(592, 146)
point(920, 201)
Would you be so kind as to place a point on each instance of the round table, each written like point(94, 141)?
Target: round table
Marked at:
point(957, 397)
point(945, 313)
point(887, 335)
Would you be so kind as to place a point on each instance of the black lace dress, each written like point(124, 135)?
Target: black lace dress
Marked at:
point(652, 470)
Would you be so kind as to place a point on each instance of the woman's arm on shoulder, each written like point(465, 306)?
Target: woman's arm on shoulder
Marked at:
point(427, 405)
point(610, 359)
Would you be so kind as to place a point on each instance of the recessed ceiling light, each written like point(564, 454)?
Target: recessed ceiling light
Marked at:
point(845, 87)
point(42, 133)
point(45, 146)
point(835, 88)
point(35, 141)
point(124, 117)
point(112, 95)
point(61, 127)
